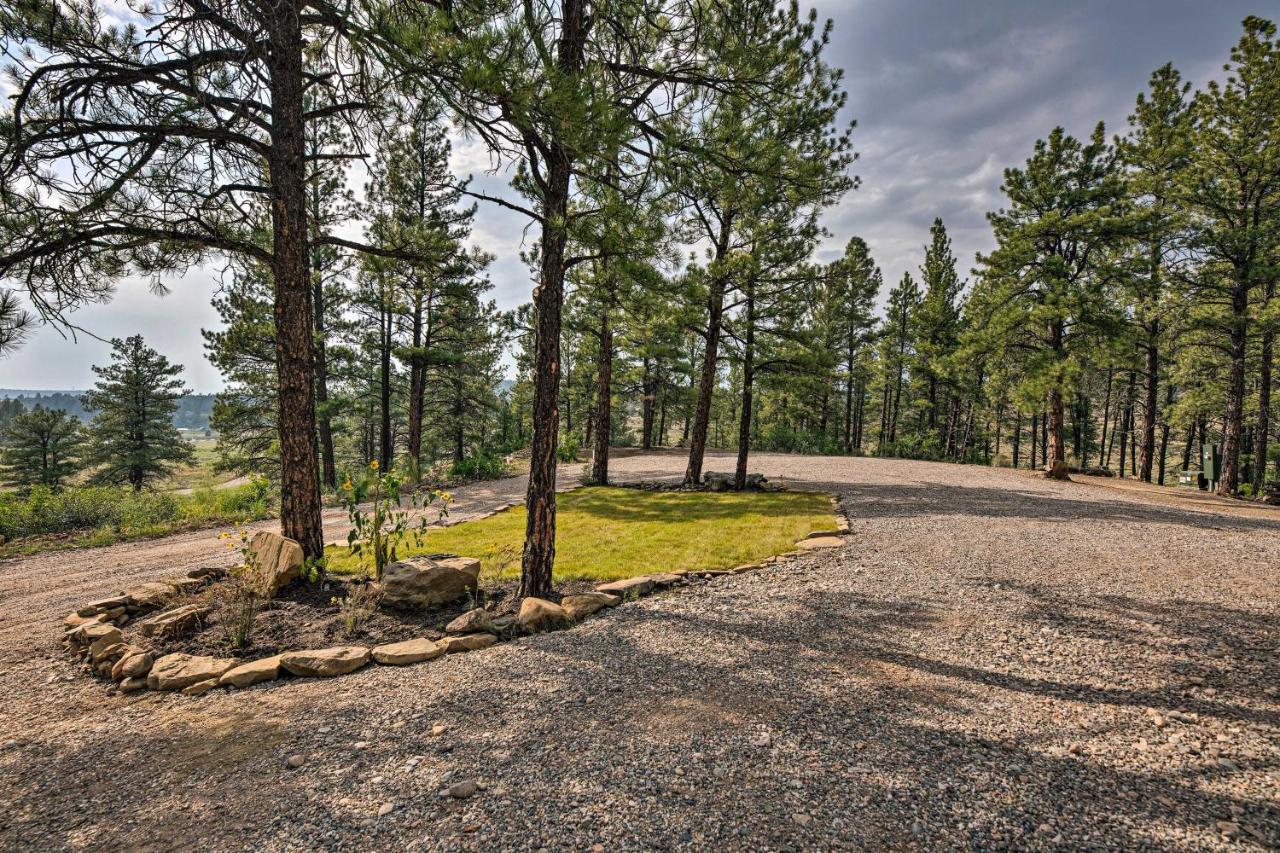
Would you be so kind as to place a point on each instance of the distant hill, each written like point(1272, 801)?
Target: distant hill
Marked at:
point(193, 409)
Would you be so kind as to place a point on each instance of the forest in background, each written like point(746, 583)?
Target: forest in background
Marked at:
point(675, 167)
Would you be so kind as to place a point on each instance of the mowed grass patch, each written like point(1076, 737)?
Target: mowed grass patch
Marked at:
point(608, 533)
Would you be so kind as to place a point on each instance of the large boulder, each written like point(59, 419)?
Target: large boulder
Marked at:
point(422, 582)
point(325, 663)
point(408, 651)
point(579, 606)
point(253, 672)
point(538, 614)
point(275, 562)
point(178, 671)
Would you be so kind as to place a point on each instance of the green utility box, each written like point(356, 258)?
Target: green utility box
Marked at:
point(1210, 466)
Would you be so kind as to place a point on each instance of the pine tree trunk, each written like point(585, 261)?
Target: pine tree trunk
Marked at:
point(604, 403)
point(1263, 428)
point(1017, 439)
point(417, 388)
point(1106, 415)
point(1150, 397)
point(848, 404)
point(548, 300)
point(324, 422)
point(1035, 438)
point(1164, 432)
point(1056, 465)
point(1229, 482)
point(384, 386)
point(646, 404)
point(707, 383)
point(748, 378)
point(290, 267)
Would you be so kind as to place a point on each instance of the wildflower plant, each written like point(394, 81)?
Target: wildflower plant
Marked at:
point(378, 532)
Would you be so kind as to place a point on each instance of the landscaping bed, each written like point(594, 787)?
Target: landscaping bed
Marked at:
point(305, 616)
point(264, 620)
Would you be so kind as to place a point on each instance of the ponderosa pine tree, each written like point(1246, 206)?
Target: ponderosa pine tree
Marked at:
point(560, 88)
point(1231, 192)
point(752, 147)
point(896, 336)
point(1155, 153)
point(845, 310)
point(937, 335)
point(147, 148)
point(132, 438)
point(40, 448)
point(1043, 292)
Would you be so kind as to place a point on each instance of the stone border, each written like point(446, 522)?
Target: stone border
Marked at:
point(93, 631)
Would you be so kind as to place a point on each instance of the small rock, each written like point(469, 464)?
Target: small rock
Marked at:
point(437, 730)
point(763, 741)
point(801, 818)
point(475, 621)
point(469, 643)
point(628, 588)
point(295, 761)
point(579, 606)
point(386, 809)
point(407, 651)
point(462, 790)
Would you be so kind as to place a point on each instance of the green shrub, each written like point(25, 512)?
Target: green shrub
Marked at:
point(113, 513)
point(479, 466)
point(568, 450)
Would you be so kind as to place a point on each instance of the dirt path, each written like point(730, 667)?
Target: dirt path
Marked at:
point(993, 661)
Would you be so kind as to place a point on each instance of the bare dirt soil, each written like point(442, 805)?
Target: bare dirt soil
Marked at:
point(992, 661)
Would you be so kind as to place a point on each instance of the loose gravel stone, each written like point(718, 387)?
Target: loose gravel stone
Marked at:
point(922, 687)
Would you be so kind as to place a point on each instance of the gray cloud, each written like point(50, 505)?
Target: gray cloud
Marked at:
point(946, 95)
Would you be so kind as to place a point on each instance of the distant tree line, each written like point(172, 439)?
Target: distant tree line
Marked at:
point(193, 411)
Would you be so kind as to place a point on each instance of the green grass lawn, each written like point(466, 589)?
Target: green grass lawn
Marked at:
point(609, 533)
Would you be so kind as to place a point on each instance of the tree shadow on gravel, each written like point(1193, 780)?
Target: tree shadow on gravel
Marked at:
point(819, 674)
point(936, 499)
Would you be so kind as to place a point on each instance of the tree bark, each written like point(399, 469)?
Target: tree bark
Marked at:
point(1229, 481)
point(290, 267)
point(417, 386)
point(707, 383)
point(748, 378)
point(385, 321)
point(1035, 438)
point(1263, 428)
point(649, 396)
point(1150, 404)
point(604, 402)
point(548, 300)
point(324, 420)
point(1106, 416)
point(1056, 466)
point(1017, 439)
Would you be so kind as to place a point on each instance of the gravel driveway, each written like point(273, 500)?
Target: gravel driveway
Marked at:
point(993, 661)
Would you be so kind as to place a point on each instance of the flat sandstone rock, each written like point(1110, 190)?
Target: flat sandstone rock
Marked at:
point(408, 651)
point(326, 663)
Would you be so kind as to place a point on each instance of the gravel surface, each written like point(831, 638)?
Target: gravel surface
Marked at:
point(992, 661)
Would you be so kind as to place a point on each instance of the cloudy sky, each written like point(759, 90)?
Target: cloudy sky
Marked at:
point(946, 95)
